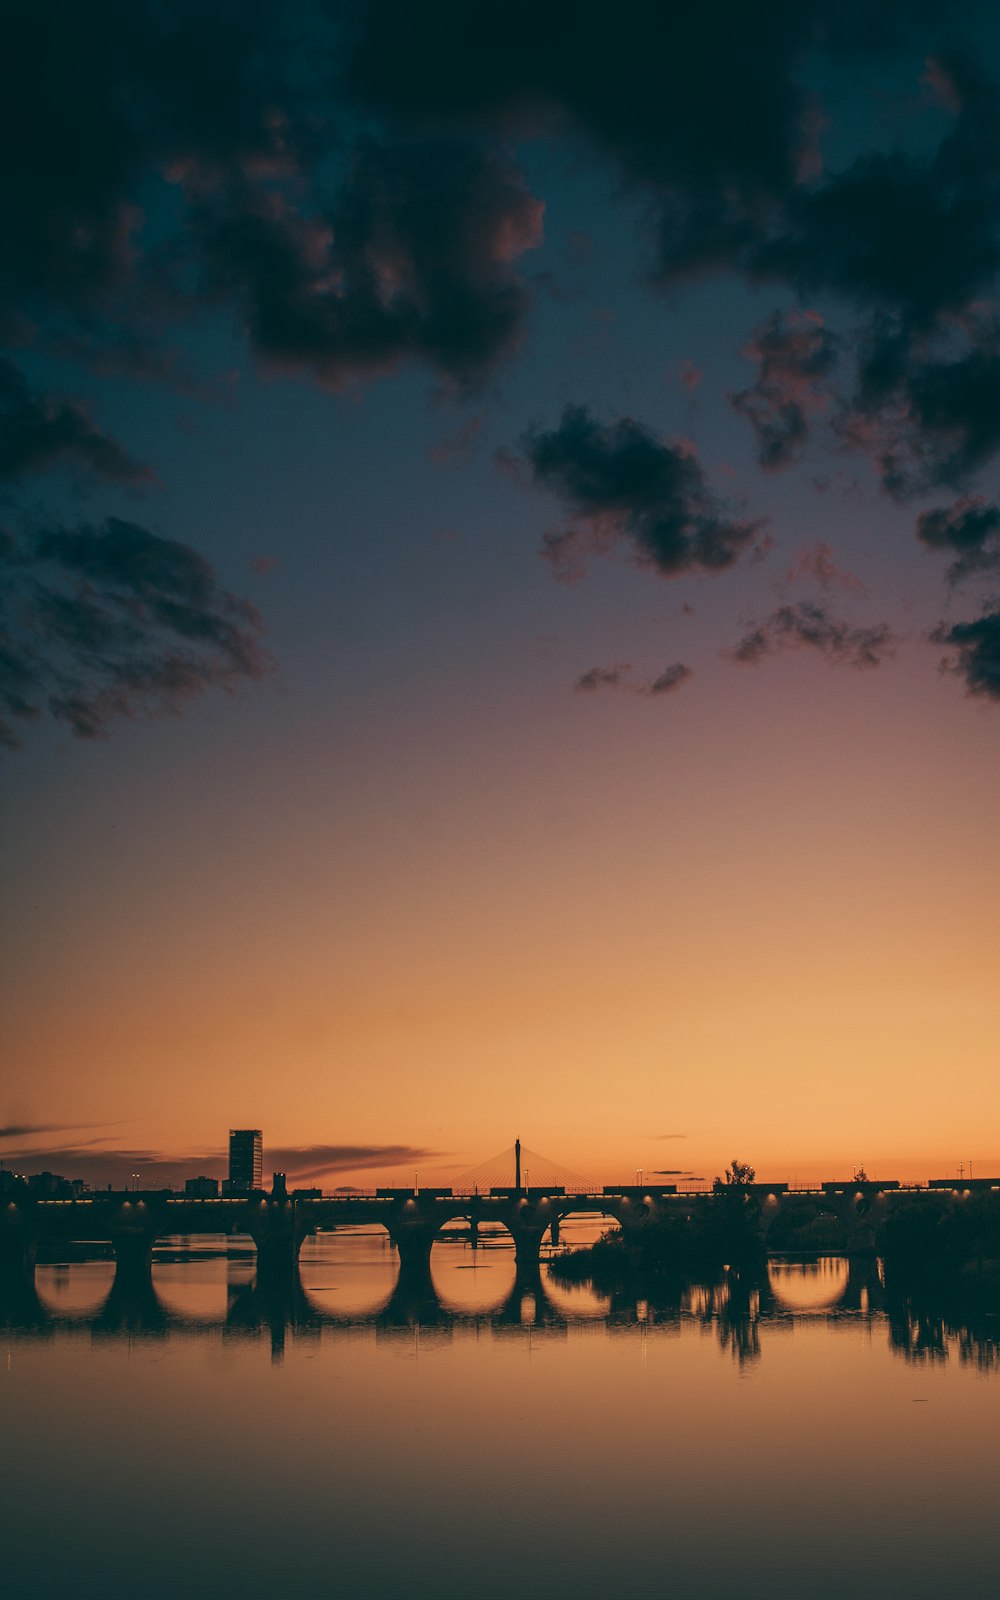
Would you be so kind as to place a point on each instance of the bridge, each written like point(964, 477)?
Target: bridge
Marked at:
point(413, 1218)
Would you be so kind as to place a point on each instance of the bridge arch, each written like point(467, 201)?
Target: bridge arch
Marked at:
point(194, 1276)
point(805, 1287)
point(350, 1271)
point(473, 1263)
point(75, 1285)
point(810, 1223)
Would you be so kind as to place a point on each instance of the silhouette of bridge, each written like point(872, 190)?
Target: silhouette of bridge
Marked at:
point(737, 1309)
point(414, 1217)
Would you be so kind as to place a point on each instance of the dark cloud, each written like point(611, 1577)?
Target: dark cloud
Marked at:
point(706, 112)
point(970, 528)
point(795, 355)
point(108, 621)
point(704, 108)
point(670, 678)
point(415, 258)
point(620, 677)
point(698, 105)
point(38, 432)
point(99, 104)
point(313, 1161)
point(21, 1130)
point(809, 626)
point(904, 234)
point(161, 157)
point(615, 677)
point(977, 646)
point(158, 1168)
point(620, 484)
point(934, 415)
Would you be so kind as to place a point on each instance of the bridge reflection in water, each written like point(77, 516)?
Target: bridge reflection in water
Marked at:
point(739, 1311)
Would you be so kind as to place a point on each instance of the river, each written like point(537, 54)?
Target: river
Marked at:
point(803, 1438)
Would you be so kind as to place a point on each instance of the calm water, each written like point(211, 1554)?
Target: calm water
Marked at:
point(502, 1440)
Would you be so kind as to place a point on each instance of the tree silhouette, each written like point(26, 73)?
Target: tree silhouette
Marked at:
point(738, 1175)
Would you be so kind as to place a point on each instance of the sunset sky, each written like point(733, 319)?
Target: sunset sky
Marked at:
point(501, 535)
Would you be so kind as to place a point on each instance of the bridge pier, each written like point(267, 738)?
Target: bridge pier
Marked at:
point(527, 1247)
point(414, 1242)
point(278, 1240)
point(864, 1289)
point(19, 1302)
point(18, 1250)
point(133, 1259)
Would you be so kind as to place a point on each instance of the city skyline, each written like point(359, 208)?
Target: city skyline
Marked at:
point(125, 1170)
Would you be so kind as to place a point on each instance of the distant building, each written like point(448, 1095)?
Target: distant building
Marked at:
point(202, 1188)
point(245, 1160)
point(50, 1186)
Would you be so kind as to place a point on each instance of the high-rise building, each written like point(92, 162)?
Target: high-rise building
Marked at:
point(245, 1160)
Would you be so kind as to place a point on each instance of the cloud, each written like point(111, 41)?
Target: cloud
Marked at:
point(98, 105)
point(697, 105)
point(21, 1130)
point(971, 527)
point(809, 626)
point(604, 678)
point(110, 620)
point(195, 153)
point(924, 408)
point(910, 234)
point(38, 432)
point(978, 653)
point(795, 355)
point(159, 1168)
point(314, 1161)
point(413, 259)
point(620, 484)
point(816, 563)
point(619, 677)
point(670, 678)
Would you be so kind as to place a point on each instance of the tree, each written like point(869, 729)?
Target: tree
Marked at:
point(736, 1216)
point(738, 1175)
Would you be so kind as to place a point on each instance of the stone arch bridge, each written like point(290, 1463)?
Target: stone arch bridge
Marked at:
point(413, 1218)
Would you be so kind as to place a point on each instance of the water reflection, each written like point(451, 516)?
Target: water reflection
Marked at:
point(350, 1280)
point(806, 1286)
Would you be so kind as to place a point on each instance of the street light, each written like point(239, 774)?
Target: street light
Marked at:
point(135, 1181)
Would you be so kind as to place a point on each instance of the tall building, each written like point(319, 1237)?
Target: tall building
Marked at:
point(245, 1160)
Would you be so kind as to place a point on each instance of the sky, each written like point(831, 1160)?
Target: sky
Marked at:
point(500, 530)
